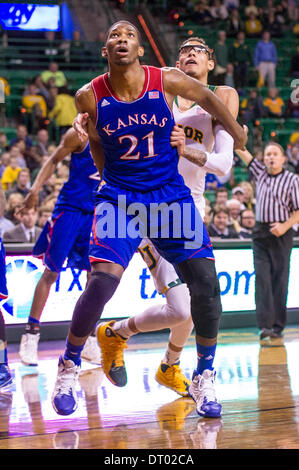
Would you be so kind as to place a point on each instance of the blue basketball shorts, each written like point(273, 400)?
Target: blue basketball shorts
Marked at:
point(65, 236)
point(167, 216)
point(3, 284)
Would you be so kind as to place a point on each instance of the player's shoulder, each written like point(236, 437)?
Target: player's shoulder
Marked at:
point(225, 90)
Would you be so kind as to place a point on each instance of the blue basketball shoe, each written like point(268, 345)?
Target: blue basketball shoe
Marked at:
point(64, 397)
point(202, 390)
point(5, 376)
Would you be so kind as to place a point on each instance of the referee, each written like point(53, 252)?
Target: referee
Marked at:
point(277, 210)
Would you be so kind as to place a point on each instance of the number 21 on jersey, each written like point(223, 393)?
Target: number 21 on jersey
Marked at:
point(129, 155)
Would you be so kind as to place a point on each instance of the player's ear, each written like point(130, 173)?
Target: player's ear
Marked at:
point(177, 64)
point(104, 51)
point(211, 65)
point(140, 51)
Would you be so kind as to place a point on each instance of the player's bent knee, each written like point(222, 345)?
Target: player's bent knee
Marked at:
point(49, 276)
point(91, 303)
point(201, 278)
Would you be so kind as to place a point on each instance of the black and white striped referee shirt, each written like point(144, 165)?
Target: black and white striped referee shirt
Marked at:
point(277, 196)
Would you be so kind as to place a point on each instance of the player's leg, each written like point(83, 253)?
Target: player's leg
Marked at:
point(201, 278)
point(53, 245)
point(193, 256)
point(174, 314)
point(5, 376)
point(109, 257)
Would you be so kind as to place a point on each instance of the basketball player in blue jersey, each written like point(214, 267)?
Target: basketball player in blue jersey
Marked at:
point(207, 140)
point(5, 375)
point(130, 120)
point(65, 236)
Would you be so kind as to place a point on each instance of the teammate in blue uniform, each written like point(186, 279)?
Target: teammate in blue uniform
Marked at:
point(65, 236)
point(128, 113)
point(5, 375)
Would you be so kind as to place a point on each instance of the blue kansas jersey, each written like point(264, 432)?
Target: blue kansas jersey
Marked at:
point(136, 135)
point(78, 191)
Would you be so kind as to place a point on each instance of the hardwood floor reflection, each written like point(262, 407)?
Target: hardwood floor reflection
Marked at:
point(257, 384)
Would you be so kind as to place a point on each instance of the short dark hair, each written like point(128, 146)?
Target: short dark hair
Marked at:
point(200, 41)
point(220, 208)
point(128, 23)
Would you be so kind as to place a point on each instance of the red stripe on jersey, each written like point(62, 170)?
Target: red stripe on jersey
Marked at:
point(156, 79)
point(153, 81)
point(99, 87)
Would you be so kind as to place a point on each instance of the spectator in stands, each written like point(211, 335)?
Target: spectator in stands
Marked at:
point(238, 194)
point(281, 13)
point(41, 89)
point(201, 14)
point(292, 107)
point(251, 8)
point(247, 222)
point(219, 11)
point(208, 214)
point(14, 202)
point(26, 231)
point(48, 189)
point(4, 147)
point(265, 59)
point(4, 162)
point(229, 76)
point(55, 74)
point(18, 150)
point(5, 224)
point(212, 182)
point(219, 227)
point(22, 134)
point(44, 213)
point(64, 111)
point(273, 103)
point(253, 26)
point(294, 69)
point(22, 185)
point(222, 57)
point(42, 142)
point(10, 173)
point(248, 199)
point(231, 4)
point(293, 159)
point(51, 48)
point(32, 100)
point(273, 25)
point(221, 196)
point(234, 24)
point(234, 208)
point(241, 58)
point(78, 53)
point(252, 108)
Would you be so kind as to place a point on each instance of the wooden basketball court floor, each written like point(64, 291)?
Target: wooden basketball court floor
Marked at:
point(257, 384)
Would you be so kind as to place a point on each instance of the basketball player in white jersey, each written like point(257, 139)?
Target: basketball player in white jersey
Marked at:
point(205, 137)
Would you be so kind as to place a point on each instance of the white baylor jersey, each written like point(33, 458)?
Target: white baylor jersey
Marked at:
point(197, 124)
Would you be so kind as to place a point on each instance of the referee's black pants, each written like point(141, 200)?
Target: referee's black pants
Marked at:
point(272, 267)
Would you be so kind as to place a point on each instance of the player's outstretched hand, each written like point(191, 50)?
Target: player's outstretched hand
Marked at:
point(177, 139)
point(80, 125)
point(30, 201)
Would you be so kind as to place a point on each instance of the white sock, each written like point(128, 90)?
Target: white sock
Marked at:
point(171, 357)
point(122, 328)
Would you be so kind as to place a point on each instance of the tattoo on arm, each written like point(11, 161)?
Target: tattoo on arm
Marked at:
point(195, 156)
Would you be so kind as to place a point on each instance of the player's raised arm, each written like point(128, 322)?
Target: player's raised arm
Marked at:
point(178, 83)
point(68, 144)
point(84, 124)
